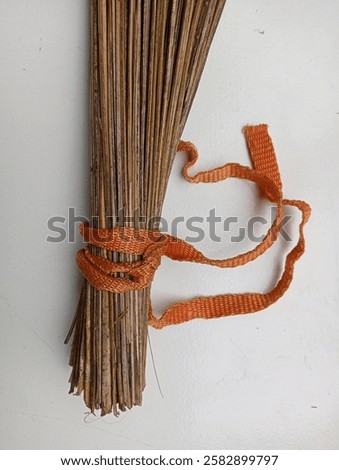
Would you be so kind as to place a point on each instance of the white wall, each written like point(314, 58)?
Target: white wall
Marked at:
point(268, 380)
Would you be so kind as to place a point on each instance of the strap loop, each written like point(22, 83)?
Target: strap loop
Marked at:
point(152, 245)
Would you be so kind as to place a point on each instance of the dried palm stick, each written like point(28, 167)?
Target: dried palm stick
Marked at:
point(147, 57)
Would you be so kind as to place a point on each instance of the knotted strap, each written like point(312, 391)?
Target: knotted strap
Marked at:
point(152, 245)
point(98, 271)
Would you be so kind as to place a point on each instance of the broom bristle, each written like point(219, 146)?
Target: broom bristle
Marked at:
point(147, 57)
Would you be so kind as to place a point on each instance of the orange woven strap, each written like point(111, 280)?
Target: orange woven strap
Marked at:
point(152, 245)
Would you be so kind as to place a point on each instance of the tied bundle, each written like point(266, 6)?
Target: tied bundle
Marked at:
point(146, 60)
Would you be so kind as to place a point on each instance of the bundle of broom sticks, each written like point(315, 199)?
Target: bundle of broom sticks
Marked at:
point(146, 60)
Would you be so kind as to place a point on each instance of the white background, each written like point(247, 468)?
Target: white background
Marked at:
point(268, 380)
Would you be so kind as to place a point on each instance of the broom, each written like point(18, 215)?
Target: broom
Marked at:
point(146, 60)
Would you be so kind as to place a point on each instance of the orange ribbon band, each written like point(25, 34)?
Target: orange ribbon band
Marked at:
point(152, 245)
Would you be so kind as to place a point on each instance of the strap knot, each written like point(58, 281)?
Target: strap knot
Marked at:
point(106, 274)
